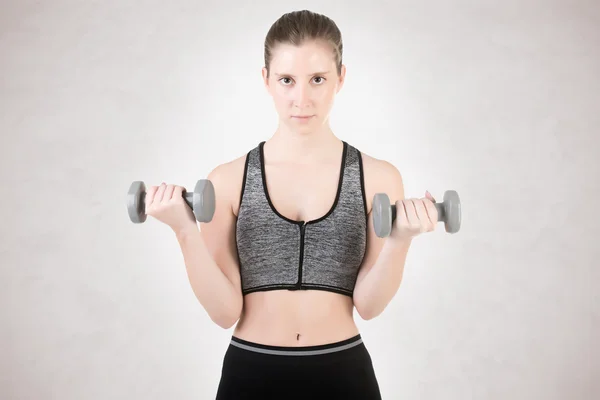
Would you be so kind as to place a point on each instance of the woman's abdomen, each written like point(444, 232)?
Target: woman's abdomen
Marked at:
point(296, 318)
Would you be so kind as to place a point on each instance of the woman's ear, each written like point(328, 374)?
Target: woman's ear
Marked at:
point(265, 77)
point(341, 78)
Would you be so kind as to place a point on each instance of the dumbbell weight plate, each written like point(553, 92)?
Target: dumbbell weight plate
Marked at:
point(203, 200)
point(135, 202)
point(382, 215)
point(452, 211)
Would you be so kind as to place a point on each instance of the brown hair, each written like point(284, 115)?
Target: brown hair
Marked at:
point(296, 27)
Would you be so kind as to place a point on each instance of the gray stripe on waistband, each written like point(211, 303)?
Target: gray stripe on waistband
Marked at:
point(297, 352)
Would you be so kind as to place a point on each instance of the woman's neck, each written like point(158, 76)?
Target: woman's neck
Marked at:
point(319, 145)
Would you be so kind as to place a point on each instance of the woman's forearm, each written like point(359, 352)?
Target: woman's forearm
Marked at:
point(381, 283)
point(219, 297)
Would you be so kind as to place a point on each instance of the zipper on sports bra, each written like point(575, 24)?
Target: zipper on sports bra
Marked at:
point(302, 230)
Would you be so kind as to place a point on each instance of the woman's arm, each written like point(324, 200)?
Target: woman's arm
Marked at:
point(210, 253)
point(383, 266)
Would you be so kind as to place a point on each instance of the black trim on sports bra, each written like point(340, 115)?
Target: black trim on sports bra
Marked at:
point(337, 195)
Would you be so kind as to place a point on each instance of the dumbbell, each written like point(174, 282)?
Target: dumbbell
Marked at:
point(384, 213)
point(201, 201)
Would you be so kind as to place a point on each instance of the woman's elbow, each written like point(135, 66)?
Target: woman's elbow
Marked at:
point(366, 311)
point(225, 323)
point(229, 316)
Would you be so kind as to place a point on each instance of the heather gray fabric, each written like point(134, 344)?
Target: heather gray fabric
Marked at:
point(279, 253)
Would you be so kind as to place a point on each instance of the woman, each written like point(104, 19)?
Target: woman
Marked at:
point(291, 249)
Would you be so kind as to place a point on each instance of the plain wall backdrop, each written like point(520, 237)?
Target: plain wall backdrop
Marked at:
point(498, 100)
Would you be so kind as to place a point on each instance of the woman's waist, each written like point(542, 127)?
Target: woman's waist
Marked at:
point(300, 333)
point(289, 318)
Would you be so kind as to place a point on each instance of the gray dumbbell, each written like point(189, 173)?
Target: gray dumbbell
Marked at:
point(384, 213)
point(201, 201)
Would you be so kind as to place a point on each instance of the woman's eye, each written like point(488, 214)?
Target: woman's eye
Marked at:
point(288, 81)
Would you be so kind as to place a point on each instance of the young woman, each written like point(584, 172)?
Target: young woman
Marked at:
point(291, 249)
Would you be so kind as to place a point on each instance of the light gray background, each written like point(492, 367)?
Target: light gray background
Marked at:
point(497, 100)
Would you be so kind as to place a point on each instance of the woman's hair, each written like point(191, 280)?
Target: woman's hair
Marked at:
point(299, 26)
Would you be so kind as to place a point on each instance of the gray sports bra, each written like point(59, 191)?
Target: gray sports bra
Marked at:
point(276, 252)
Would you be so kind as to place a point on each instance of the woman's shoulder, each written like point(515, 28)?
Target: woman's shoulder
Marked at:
point(378, 166)
point(381, 176)
point(228, 169)
point(227, 179)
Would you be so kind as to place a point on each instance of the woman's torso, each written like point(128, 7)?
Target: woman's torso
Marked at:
point(283, 194)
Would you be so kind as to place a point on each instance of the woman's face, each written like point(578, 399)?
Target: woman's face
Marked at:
point(303, 83)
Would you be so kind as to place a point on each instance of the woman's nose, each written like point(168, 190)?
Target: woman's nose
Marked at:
point(302, 96)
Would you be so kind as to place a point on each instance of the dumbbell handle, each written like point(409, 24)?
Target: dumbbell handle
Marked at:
point(440, 207)
point(187, 197)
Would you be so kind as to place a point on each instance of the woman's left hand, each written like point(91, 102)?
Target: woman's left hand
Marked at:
point(414, 217)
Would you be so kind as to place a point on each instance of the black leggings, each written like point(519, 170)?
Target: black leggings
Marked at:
point(341, 370)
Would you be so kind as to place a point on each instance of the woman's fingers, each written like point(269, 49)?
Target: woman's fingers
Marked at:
point(416, 216)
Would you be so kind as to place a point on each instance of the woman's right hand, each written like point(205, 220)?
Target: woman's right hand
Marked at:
point(166, 204)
